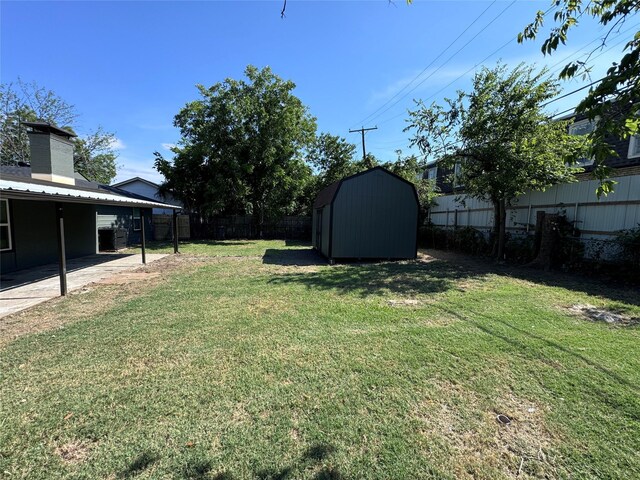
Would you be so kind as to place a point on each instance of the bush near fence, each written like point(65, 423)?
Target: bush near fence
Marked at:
point(247, 227)
point(618, 256)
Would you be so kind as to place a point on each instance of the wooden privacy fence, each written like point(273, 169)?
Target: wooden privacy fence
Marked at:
point(163, 224)
point(245, 226)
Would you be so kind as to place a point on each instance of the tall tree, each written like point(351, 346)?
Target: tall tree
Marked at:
point(333, 158)
point(242, 148)
point(412, 169)
point(501, 137)
point(94, 155)
point(614, 100)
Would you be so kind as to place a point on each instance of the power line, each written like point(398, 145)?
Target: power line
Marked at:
point(456, 79)
point(491, 55)
point(444, 63)
point(431, 63)
point(572, 92)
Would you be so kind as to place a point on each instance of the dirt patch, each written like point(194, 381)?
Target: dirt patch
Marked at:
point(595, 314)
point(406, 302)
point(73, 452)
point(477, 445)
point(94, 298)
point(129, 277)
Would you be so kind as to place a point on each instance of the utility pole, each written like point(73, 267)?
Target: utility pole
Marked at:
point(362, 130)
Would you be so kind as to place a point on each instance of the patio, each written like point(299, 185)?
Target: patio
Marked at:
point(26, 288)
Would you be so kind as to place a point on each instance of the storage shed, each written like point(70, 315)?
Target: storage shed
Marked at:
point(370, 215)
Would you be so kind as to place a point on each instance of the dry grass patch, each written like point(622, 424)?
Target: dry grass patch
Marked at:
point(477, 444)
point(94, 298)
point(74, 452)
point(595, 314)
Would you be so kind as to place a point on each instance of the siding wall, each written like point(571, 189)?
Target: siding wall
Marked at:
point(34, 235)
point(122, 217)
point(150, 191)
point(596, 219)
point(375, 216)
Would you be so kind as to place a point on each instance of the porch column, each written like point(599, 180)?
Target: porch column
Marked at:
point(175, 231)
point(142, 238)
point(62, 258)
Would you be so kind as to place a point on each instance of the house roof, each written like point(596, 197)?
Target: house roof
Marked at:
point(20, 187)
point(45, 127)
point(136, 179)
point(328, 194)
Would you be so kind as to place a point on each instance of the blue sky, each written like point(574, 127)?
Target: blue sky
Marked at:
point(130, 66)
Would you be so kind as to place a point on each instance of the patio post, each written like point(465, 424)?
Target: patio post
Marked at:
point(175, 231)
point(142, 238)
point(62, 258)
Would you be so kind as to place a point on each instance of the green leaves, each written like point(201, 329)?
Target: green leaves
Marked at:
point(499, 135)
point(241, 150)
point(612, 99)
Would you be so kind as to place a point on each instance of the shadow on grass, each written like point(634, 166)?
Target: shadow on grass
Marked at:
point(293, 256)
point(407, 277)
point(569, 281)
point(528, 349)
point(139, 464)
point(315, 454)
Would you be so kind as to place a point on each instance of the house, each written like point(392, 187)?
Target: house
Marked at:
point(148, 189)
point(369, 215)
point(597, 220)
point(48, 212)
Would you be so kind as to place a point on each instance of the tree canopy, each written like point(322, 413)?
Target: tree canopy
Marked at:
point(613, 100)
point(501, 138)
point(94, 156)
point(242, 148)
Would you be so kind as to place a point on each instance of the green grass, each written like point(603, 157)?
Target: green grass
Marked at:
point(226, 248)
point(276, 367)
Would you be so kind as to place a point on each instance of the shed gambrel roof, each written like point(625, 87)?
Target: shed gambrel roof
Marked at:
point(328, 194)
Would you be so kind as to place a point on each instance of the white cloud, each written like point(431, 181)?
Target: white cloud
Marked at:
point(117, 144)
point(126, 172)
point(168, 146)
point(410, 86)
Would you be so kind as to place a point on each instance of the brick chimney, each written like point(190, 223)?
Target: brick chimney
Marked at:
point(51, 153)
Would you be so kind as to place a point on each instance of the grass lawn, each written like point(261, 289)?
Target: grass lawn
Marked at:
point(256, 360)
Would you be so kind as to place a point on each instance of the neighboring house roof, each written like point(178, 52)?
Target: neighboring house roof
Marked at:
point(16, 182)
point(328, 194)
point(135, 179)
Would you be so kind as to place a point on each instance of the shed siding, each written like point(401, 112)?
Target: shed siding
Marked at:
point(326, 229)
point(374, 216)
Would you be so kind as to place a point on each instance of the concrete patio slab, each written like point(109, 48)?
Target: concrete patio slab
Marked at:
point(26, 288)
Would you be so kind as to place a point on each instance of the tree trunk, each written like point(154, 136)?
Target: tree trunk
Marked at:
point(261, 221)
point(496, 228)
point(502, 228)
point(548, 241)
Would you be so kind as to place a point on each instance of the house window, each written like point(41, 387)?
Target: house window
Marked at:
point(136, 219)
point(5, 226)
point(582, 127)
point(634, 146)
point(432, 173)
